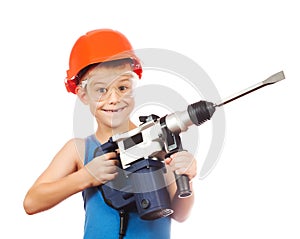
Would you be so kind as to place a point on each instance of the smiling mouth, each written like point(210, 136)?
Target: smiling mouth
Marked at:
point(113, 110)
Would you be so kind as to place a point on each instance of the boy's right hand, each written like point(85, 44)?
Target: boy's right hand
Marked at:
point(103, 168)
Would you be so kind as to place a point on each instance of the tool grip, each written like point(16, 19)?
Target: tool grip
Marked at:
point(182, 180)
point(105, 148)
point(183, 185)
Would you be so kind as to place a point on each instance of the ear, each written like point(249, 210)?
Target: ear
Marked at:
point(82, 95)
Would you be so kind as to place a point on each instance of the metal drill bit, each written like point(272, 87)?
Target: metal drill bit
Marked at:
point(271, 80)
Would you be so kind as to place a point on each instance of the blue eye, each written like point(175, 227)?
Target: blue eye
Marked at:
point(102, 90)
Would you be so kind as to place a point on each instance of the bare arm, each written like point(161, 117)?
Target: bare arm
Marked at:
point(181, 206)
point(67, 175)
point(64, 177)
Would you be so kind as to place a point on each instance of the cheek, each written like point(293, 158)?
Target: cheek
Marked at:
point(94, 108)
point(129, 101)
point(130, 104)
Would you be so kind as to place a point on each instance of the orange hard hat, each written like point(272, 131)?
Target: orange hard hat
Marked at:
point(99, 46)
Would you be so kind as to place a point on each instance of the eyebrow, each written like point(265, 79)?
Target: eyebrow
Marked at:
point(116, 81)
point(98, 83)
point(120, 79)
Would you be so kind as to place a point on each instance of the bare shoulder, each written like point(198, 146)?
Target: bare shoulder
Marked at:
point(79, 145)
point(73, 150)
point(68, 159)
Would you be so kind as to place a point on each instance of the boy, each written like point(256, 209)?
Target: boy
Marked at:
point(102, 72)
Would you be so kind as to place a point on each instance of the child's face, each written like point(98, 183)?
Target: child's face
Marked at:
point(109, 94)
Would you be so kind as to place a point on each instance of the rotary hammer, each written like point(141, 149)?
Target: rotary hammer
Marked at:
point(140, 183)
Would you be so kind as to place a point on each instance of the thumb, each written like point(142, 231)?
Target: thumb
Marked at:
point(168, 160)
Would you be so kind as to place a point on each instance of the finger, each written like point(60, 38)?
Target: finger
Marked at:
point(105, 157)
point(110, 169)
point(111, 162)
point(172, 156)
point(184, 163)
point(110, 155)
point(182, 153)
point(181, 171)
point(111, 176)
point(191, 172)
point(187, 160)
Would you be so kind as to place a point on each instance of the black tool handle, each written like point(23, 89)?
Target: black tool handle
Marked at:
point(109, 146)
point(183, 185)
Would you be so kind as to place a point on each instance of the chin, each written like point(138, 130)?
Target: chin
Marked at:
point(115, 122)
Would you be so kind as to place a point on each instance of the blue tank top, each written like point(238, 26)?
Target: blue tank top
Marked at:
point(102, 221)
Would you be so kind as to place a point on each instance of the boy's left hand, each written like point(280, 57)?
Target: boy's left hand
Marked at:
point(183, 162)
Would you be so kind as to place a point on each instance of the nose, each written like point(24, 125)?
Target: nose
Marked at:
point(113, 96)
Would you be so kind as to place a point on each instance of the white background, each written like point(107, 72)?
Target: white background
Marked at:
point(253, 192)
